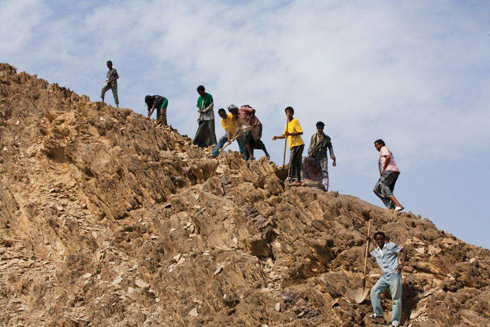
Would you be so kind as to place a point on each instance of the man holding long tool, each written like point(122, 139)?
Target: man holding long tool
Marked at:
point(293, 132)
point(228, 123)
point(386, 255)
point(247, 118)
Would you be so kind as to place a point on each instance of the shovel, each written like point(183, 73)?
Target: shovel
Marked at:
point(234, 138)
point(361, 293)
point(285, 144)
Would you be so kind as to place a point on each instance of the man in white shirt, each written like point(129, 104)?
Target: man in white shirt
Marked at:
point(386, 255)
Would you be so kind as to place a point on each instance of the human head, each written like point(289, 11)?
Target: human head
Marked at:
point(378, 144)
point(379, 238)
point(109, 64)
point(200, 90)
point(149, 100)
point(289, 111)
point(233, 109)
point(320, 126)
point(222, 113)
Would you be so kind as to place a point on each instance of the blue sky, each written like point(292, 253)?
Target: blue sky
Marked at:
point(415, 73)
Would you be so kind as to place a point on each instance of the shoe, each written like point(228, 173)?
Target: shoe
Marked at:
point(399, 208)
point(268, 157)
point(395, 324)
point(374, 316)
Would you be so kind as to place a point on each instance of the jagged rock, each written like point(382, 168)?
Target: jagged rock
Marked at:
point(93, 198)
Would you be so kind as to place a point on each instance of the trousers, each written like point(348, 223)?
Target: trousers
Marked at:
point(394, 282)
point(107, 87)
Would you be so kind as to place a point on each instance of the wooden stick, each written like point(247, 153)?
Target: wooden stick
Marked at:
point(285, 143)
point(366, 255)
point(234, 138)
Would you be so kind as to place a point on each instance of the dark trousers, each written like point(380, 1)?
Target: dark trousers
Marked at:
point(385, 187)
point(205, 134)
point(296, 163)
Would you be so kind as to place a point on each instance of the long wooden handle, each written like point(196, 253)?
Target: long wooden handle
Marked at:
point(285, 143)
point(366, 254)
point(234, 138)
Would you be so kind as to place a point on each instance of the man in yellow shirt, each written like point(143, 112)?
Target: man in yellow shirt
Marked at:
point(293, 131)
point(228, 123)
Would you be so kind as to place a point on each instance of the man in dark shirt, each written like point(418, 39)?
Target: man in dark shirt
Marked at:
point(320, 144)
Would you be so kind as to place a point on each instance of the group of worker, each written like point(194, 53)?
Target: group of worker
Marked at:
point(241, 124)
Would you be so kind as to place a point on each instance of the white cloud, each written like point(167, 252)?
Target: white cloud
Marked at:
point(19, 19)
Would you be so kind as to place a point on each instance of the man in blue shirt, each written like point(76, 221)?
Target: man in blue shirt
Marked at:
point(386, 255)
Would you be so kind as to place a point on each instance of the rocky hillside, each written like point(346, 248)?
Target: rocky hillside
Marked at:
point(108, 220)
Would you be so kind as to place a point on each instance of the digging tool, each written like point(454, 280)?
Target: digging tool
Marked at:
point(234, 138)
point(361, 293)
point(285, 144)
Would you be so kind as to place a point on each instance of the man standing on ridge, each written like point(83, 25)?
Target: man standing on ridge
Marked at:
point(205, 134)
point(247, 118)
point(228, 123)
point(320, 144)
point(293, 132)
point(389, 173)
point(386, 255)
point(159, 103)
point(111, 83)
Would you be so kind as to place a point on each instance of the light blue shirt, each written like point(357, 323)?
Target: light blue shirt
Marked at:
point(387, 258)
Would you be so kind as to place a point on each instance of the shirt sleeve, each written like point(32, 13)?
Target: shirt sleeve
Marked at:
point(297, 127)
point(223, 124)
point(285, 128)
point(373, 254)
point(384, 151)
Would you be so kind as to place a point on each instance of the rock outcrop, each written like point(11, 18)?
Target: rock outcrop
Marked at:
point(110, 220)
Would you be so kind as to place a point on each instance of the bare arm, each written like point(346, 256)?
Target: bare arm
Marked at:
point(229, 135)
point(210, 107)
point(404, 257)
point(386, 163)
point(332, 155)
point(283, 136)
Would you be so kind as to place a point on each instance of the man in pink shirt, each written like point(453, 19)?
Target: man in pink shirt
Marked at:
point(389, 173)
point(247, 118)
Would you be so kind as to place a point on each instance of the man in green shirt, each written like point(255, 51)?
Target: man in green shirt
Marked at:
point(159, 103)
point(205, 134)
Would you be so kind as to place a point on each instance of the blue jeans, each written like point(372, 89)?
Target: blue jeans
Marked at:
point(222, 141)
point(394, 282)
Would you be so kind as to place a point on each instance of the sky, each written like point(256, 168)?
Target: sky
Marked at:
point(414, 73)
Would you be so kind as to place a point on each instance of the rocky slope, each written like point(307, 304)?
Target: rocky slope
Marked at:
point(108, 220)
